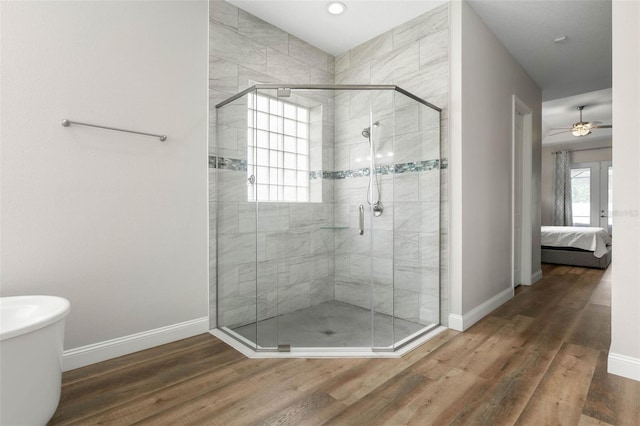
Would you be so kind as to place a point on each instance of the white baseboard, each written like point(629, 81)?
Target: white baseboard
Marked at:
point(456, 322)
point(464, 321)
point(625, 366)
point(536, 276)
point(102, 351)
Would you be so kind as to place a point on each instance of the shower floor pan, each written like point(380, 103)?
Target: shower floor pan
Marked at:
point(329, 329)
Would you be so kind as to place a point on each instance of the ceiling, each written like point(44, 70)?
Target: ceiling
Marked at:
point(527, 28)
point(570, 73)
point(310, 21)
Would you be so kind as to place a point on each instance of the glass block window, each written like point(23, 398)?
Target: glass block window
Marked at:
point(278, 150)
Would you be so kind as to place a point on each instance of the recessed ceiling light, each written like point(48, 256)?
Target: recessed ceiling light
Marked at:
point(336, 8)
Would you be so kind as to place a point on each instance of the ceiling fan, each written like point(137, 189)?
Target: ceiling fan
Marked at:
point(582, 128)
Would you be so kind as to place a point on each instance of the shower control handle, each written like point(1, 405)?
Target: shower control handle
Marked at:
point(361, 221)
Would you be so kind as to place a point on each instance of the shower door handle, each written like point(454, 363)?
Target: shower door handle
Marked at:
point(361, 221)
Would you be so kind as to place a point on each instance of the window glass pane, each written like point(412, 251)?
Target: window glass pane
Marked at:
point(263, 139)
point(289, 127)
point(290, 193)
point(273, 175)
point(273, 158)
point(581, 196)
point(303, 179)
point(289, 144)
point(303, 162)
point(303, 146)
point(275, 124)
point(289, 177)
point(263, 157)
point(273, 192)
point(302, 130)
point(263, 103)
point(262, 175)
point(289, 161)
point(273, 141)
point(273, 106)
point(262, 121)
point(263, 192)
point(290, 111)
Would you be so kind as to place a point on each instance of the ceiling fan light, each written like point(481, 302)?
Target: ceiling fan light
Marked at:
point(581, 129)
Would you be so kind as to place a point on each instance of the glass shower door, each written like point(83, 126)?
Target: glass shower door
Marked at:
point(305, 260)
point(236, 221)
point(271, 214)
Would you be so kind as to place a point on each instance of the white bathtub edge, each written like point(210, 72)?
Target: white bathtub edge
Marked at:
point(102, 351)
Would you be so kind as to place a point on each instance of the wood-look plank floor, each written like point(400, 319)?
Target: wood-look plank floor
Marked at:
point(540, 359)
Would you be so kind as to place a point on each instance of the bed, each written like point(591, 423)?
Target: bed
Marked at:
point(576, 246)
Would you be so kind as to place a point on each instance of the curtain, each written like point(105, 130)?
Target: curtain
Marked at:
point(562, 214)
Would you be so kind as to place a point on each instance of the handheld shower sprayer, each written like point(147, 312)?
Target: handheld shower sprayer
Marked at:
point(366, 132)
point(378, 207)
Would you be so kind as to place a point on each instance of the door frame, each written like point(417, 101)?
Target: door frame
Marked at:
point(526, 170)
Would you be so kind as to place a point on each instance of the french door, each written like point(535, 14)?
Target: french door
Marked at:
point(591, 194)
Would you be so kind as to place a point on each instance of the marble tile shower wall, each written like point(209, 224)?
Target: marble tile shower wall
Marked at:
point(413, 56)
point(293, 253)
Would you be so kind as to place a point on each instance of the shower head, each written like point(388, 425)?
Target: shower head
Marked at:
point(366, 132)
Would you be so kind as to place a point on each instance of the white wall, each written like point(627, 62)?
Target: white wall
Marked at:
point(585, 155)
point(624, 354)
point(480, 165)
point(116, 223)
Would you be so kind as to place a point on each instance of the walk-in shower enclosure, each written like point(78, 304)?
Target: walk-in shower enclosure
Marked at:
point(328, 217)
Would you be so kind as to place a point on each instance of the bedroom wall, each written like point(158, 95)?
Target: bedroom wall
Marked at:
point(624, 354)
point(546, 182)
point(480, 166)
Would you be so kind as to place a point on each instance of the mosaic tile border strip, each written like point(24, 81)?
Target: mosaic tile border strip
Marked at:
point(388, 169)
point(226, 163)
point(418, 166)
